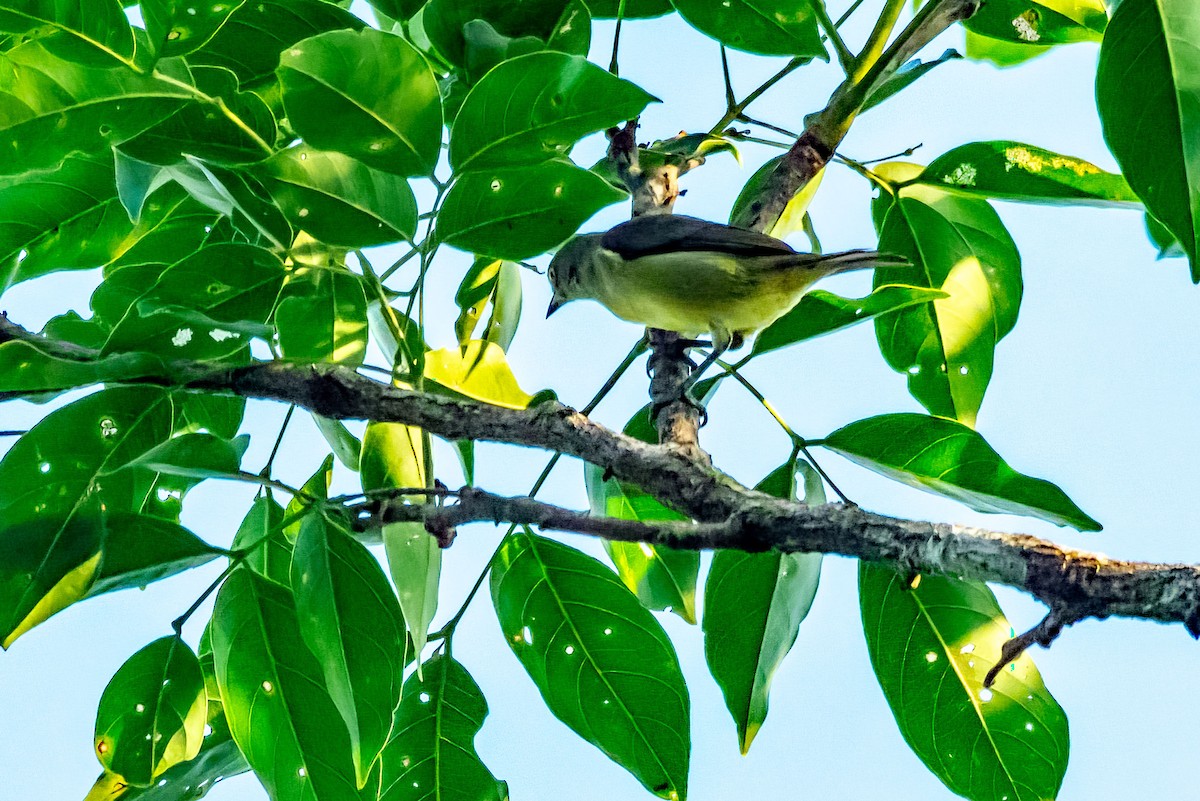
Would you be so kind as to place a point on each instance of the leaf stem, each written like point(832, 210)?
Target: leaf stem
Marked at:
point(827, 25)
point(612, 64)
point(732, 111)
point(287, 418)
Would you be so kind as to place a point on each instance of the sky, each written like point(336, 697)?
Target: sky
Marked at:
point(1094, 390)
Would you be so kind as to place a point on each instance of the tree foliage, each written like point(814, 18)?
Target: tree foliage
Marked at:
point(231, 169)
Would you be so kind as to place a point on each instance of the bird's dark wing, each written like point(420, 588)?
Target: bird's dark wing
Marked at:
point(653, 234)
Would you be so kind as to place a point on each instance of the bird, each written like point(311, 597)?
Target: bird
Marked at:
point(693, 276)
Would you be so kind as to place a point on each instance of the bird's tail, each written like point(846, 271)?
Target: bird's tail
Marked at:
point(833, 263)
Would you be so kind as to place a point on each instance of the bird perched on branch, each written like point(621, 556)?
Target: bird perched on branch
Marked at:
point(693, 276)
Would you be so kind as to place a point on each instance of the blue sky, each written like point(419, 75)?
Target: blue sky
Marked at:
point(1094, 390)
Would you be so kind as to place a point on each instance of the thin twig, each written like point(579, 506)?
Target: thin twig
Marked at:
point(1043, 634)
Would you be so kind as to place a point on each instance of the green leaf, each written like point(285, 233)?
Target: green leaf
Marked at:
point(485, 47)
point(444, 21)
point(261, 529)
point(634, 9)
point(478, 370)
point(932, 640)
point(367, 94)
point(792, 218)
point(151, 715)
point(1149, 108)
point(820, 312)
point(200, 307)
point(904, 77)
point(1015, 171)
point(494, 283)
point(92, 31)
point(536, 107)
point(1162, 239)
point(947, 458)
point(1040, 22)
point(960, 246)
point(233, 128)
point(219, 758)
point(51, 107)
point(518, 212)
point(1001, 53)
point(178, 27)
point(351, 622)
point(603, 664)
point(345, 446)
point(322, 317)
point(25, 369)
point(662, 578)
point(173, 225)
point(279, 712)
point(140, 550)
point(196, 456)
point(217, 414)
point(754, 604)
point(766, 27)
point(250, 41)
point(63, 218)
point(341, 201)
point(392, 458)
point(432, 751)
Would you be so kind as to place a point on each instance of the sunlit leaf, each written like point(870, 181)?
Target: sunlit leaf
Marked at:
point(489, 284)
point(151, 715)
point(602, 663)
point(932, 640)
point(91, 31)
point(766, 27)
point(478, 370)
point(270, 551)
point(197, 455)
point(322, 317)
point(1040, 22)
point(948, 458)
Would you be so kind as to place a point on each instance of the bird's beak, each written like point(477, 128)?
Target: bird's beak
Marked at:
point(555, 303)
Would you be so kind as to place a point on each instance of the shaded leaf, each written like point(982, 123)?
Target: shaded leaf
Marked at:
point(177, 27)
point(196, 456)
point(489, 283)
point(931, 642)
point(947, 458)
point(766, 27)
point(518, 212)
point(603, 664)
point(367, 94)
point(322, 317)
point(152, 713)
point(92, 31)
point(634, 9)
point(140, 549)
point(444, 21)
point(261, 530)
point(345, 446)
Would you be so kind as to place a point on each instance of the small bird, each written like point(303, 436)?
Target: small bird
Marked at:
point(693, 276)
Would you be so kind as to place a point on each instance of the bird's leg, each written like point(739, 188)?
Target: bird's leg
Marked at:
point(679, 353)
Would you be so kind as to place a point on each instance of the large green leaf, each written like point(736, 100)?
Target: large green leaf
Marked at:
point(392, 458)
point(262, 531)
point(445, 20)
point(518, 212)
point(634, 9)
point(250, 41)
point(50, 107)
point(63, 218)
point(820, 312)
point(754, 604)
point(279, 712)
point(485, 47)
point(767, 27)
point(477, 370)
point(367, 94)
point(219, 758)
point(177, 27)
point(536, 107)
point(960, 246)
point(602, 662)
point(662, 578)
point(431, 753)
point(341, 201)
point(204, 307)
point(1015, 171)
point(932, 641)
point(322, 317)
point(24, 368)
point(948, 458)
point(88, 30)
point(1040, 22)
point(140, 549)
point(1149, 103)
point(351, 622)
point(152, 713)
point(196, 455)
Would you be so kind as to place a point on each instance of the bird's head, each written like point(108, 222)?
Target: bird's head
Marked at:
point(570, 269)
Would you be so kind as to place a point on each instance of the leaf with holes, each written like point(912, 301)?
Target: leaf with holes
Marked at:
point(1149, 107)
point(152, 713)
point(367, 94)
point(947, 458)
point(178, 27)
point(431, 753)
point(932, 640)
point(279, 712)
point(517, 212)
point(1040, 22)
point(536, 107)
point(351, 622)
point(754, 604)
point(602, 662)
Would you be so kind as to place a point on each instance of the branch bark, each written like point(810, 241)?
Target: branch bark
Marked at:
point(1076, 584)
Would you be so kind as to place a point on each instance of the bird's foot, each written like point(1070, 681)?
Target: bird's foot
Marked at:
point(686, 399)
